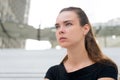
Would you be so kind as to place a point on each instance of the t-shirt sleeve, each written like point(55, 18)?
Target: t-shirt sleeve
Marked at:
point(51, 73)
point(108, 71)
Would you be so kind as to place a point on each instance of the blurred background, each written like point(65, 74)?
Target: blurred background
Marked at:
point(28, 46)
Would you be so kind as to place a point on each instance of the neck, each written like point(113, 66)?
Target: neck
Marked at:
point(77, 55)
point(77, 59)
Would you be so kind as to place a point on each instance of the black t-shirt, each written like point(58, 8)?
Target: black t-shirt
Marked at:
point(92, 72)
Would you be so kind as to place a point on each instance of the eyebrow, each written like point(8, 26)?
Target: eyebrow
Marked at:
point(56, 24)
point(66, 21)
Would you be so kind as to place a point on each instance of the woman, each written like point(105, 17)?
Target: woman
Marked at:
point(84, 59)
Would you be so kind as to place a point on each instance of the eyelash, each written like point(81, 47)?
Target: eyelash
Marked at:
point(68, 24)
point(57, 27)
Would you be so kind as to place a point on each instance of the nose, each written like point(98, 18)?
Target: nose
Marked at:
point(61, 30)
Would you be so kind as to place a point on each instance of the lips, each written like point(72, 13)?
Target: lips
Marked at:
point(62, 39)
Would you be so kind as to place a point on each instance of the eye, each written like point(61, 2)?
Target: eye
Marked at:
point(68, 24)
point(57, 26)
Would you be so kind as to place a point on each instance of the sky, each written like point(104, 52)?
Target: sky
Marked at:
point(44, 12)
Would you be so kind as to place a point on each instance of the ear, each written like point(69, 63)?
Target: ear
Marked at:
point(86, 29)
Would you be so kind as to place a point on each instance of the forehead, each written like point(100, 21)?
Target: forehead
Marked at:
point(67, 15)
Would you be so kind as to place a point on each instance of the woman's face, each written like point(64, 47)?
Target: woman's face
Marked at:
point(68, 30)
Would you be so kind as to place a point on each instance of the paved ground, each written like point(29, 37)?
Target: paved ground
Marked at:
point(32, 65)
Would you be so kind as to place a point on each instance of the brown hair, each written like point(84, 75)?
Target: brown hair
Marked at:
point(93, 50)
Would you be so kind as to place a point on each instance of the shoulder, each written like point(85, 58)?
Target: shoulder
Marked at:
point(52, 72)
point(107, 70)
point(104, 67)
point(106, 64)
point(53, 68)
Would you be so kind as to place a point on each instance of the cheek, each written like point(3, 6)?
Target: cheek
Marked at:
point(77, 35)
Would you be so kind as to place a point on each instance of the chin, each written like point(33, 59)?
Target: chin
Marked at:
point(64, 45)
